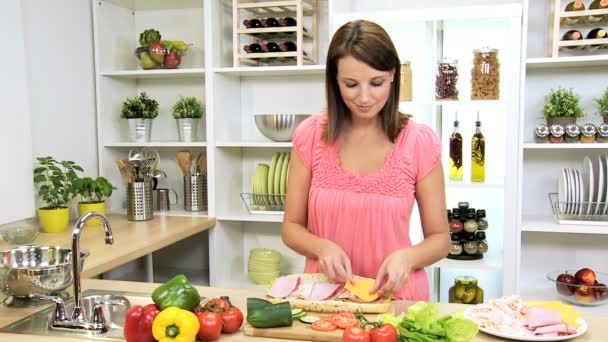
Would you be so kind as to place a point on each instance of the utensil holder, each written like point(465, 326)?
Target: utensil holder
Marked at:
point(139, 201)
point(195, 193)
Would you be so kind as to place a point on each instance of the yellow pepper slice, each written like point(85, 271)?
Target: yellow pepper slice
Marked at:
point(175, 325)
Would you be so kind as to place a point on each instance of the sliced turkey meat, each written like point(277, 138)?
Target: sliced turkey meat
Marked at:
point(540, 317)
point(324, 291)
point(283, 287)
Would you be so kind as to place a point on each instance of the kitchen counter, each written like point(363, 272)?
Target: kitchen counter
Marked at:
point(132, 240)
point(598, 330)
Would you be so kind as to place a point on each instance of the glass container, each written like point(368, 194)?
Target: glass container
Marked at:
point(446, 79)
point(588, 133)
point(465, 291)
point(602, 133)
point(470, 246)
point(470, 225)
point(456, 247)
point(485, 75)
point(482, 244)
point(482, 221)
point(455, 225)
point(405, 82)
point(573, 132)
point(541, 134)
point(557, 134)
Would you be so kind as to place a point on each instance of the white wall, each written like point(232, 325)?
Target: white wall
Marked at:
point(16, 187)
point(59, 54)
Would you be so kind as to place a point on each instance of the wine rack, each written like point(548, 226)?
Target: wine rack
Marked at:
point(581, 20)
point(303, 34)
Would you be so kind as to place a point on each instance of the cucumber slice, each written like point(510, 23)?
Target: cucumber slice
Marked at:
point(296, 312)
point(309, 319)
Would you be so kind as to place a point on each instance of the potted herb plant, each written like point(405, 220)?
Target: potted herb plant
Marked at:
point(93, 193)
point(139, 112)
point(562, 106)
point(602, 105)
point(55, 182)
point(187, 112)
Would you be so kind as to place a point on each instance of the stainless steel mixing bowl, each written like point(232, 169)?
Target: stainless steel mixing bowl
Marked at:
point(29, 270)
point(278, 127)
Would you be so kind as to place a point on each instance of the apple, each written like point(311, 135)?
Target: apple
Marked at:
point(600, 290)
point(564, 281)
point(172, 60)
point(584, 294)
point(585, 276)
point(157, 51)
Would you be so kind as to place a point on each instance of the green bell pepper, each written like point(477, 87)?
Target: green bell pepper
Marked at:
point(176, 292)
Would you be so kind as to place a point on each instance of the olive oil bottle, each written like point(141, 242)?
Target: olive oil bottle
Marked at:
point(478, 154)
point(456, 153)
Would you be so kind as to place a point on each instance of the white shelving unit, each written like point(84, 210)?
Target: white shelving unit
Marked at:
point(533, 146)
point(157, 73)
point(547, 224)
point(567, 62)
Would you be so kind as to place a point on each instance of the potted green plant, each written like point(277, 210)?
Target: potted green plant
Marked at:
point(187, 112)
point(55, 182)
point(602, 105)
point(562, 106)
point(139, 112)
point(93, 194)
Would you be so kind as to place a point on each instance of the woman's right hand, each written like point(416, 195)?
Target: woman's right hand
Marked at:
point(334, 262)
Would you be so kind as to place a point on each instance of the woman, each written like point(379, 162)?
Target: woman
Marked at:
point(356, 172)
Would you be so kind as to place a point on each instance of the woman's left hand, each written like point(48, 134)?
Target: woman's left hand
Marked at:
point(393, 274)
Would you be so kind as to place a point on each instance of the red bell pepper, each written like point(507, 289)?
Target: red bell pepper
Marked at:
point(138, 323)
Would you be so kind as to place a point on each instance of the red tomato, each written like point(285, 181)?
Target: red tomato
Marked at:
point(233, 319)
point(211, 326)
point(356, 334)
point(217, 305)
point(386, 333)
point(324, 325)
point(345, 320)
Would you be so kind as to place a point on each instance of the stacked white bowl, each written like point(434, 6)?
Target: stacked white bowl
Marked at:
point(264, 265)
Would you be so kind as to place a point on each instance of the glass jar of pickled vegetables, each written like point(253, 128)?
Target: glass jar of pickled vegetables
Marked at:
point(466, 291)
point(485, 75)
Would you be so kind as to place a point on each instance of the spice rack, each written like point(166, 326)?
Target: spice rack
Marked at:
point(582, 21)
point(305, 13)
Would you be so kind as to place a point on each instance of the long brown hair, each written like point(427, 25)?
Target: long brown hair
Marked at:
point(369, 43)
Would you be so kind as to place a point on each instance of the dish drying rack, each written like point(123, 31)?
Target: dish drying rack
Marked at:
point(560, 209)
point(264, 204)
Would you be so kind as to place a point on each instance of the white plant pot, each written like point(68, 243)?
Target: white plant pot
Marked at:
point(187, 129)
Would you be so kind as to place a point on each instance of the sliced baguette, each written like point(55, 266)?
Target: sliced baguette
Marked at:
point(330, 306)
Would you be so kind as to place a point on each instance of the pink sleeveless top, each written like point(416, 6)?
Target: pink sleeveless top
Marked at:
point(368, 216)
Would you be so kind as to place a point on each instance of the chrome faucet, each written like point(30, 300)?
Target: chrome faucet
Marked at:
point(78, 321)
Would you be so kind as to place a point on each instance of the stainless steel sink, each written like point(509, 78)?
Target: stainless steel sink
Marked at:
point(38, 323)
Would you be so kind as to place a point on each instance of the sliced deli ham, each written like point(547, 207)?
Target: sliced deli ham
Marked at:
point(539, 317)
point(560, 329)
point(303, 291)
point(324, 291)
point(283, 287)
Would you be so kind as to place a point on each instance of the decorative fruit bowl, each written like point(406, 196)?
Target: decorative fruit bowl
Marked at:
point(574, 286)
point(154, 53)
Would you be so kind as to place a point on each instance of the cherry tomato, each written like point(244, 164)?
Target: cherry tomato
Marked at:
point(345, 320)
point(211, 326)
point(324, 325)
point(233, 319)
point(386, 333)
point(217, 305)
point(356, 334)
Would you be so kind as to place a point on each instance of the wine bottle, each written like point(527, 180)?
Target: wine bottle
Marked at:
point(596, 33)
point(253, 48)
point(271, 47)
point(478, 154)
point(595, 5)
point(456, 153)
point(572, 35)
point(574, 6)
point(252, 23)
point(288, 46)
point(269, 22)
point(287, 21)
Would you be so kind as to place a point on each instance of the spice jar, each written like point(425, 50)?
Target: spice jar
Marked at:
point(557, 134)
point(588, 135)
point(602, 133)
point(482, 244)
point(463, 206)
point(465, 291)
point(470, 225)
point(485, 75)
point(470, 245)
point(573, 132)
point(455, 224)
point(405, 82)
point(456, 248)
point(482, 222)
point(541, 134)
point(446, 79)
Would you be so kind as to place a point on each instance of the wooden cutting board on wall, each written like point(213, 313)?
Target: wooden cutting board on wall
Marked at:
point(304, 332)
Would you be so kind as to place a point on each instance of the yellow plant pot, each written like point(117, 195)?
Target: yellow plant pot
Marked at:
point(84, 208)
point(54, 220)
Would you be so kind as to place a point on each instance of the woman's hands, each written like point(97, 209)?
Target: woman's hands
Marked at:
point(334, 262)
point(393, 274)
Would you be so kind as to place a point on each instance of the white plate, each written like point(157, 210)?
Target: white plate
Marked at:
point(571, 193)
point(574, 179)
point(605, 157)
point(580, 331)
point(589, 184)
point(601, 187)
point(562, 191)
point(579, 179)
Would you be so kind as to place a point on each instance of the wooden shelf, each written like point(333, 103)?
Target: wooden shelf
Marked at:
point(157, 144)
point(565, 146)
point(582, 42)
point(567, 62)
point(573, 14)
point(547, 224)
point(263, 32)
point(264, 144)
point(273, 70)
point(157, 73)
point(275, 8)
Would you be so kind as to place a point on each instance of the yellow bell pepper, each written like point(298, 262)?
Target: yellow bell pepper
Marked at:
point(175, 325)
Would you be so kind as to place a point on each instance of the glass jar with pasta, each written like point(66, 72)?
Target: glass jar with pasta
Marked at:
point(485, 75)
